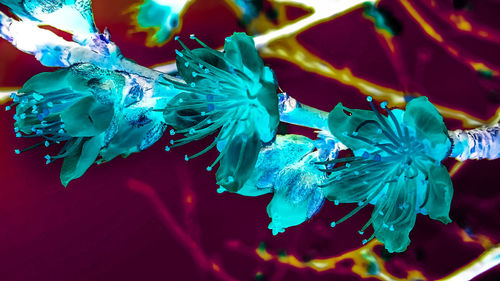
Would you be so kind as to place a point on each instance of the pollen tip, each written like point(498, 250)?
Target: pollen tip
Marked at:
point(17, 151)
point(369, 99)
point(167, 148)
point(333, 224)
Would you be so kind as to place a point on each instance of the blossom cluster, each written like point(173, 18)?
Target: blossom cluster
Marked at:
point(102, 106)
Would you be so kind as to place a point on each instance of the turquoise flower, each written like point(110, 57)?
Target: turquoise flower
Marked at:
point(230, 92)
point(97, 114)
point(286, 169)
point(396, 167)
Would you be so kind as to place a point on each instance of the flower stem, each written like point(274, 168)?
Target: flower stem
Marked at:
point(293, 112)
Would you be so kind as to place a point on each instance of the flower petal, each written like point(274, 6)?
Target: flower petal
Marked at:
point(75, 165)
point(182, 118)
point(240, 51)
point(238, 161)
point(423, 116)
point(87, 118)
point(297, 195)
point(38, 83)
point(268, 99)
point(395, 213)
point(272, 159)
point(439, 194)
point(343, 122)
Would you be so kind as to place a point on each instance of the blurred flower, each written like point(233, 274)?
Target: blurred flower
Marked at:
point(73, 16)
point(396, 166)
point(250, 9)
point(91, 110)
point(161, 17)
point(232, 91)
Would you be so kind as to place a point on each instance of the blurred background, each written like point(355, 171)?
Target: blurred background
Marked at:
point(153, 216)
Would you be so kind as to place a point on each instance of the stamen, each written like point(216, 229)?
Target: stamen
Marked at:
point(388, 130)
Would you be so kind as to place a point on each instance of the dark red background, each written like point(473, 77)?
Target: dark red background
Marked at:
point(99, 228)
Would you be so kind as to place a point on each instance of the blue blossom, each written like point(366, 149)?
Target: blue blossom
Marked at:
point(396, 166)
point(230, 92)
point(97, 114)
point(286, 168)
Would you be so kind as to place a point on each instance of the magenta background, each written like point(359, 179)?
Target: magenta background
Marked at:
point(100, 229)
